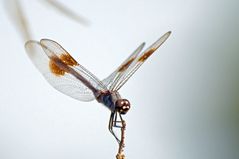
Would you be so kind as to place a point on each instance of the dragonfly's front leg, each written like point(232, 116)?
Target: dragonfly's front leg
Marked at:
point(117, 123)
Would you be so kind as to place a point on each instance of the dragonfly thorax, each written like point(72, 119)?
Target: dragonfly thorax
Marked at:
point(113, 101)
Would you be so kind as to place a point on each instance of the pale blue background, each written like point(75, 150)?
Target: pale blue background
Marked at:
point(185, 99)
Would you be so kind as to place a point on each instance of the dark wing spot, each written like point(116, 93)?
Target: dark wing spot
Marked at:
point(65, 60)
point(146, 55)
point(55, 69)
point(68, 59)
point(126, 65)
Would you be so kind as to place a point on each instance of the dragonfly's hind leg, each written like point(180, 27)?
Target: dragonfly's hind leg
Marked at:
point(111, 125)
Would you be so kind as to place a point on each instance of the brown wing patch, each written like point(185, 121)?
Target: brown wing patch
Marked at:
point(68, 59)
point(55, 69)
point(126, 65)
point(65, 59)
point(146, 55)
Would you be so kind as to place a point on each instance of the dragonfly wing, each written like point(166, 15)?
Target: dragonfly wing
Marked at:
point(67, 12)
point(44, 54)
point(52, 48)
point(17, 16)
point(141, 59)
point(112, 80)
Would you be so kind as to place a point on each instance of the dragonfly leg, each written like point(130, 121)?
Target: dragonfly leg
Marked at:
point(116, 121)
point(111, 125)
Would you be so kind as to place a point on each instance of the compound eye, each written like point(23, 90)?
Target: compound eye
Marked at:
point(126, 102)
point(123, 106)
point(123, 103)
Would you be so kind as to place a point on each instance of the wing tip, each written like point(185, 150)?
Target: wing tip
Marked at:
point(28, 43)
point(162, 39)
point(166, 35)
point(42, 41)
point(141, 46)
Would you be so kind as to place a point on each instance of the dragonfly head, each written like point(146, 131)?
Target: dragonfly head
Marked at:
point(122, 106)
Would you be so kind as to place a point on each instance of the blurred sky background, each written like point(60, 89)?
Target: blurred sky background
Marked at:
point(185, 98)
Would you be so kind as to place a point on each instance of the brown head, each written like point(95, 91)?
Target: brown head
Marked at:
point(122, 106)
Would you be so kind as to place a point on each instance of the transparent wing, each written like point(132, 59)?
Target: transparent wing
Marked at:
point(67, 12)
point(141, 59)
point(17, 16)
point(16, 12)
point(112, 80)
point(62, 71)
point(52, 48)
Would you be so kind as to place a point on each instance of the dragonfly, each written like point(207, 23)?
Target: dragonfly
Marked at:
point(66, 75)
